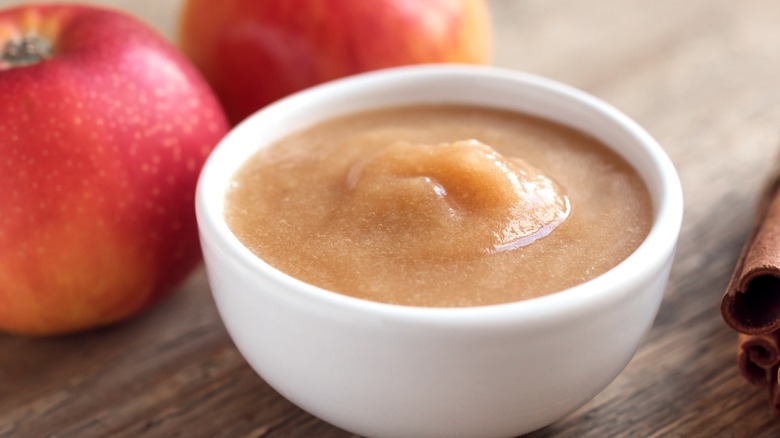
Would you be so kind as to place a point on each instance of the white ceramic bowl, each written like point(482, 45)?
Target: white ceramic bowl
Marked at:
point(385, 370)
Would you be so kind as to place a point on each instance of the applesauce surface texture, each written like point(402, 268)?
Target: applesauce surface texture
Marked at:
point(439, 206)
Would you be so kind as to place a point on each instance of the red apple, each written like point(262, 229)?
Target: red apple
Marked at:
point(103, 130)
point(253, 52)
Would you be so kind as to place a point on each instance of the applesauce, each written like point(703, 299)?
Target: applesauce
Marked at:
point(439, 206)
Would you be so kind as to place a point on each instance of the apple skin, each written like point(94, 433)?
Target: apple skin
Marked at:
point(100, 149)
point(254, 52)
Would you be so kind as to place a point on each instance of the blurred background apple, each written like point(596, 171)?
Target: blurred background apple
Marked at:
point(253, 52)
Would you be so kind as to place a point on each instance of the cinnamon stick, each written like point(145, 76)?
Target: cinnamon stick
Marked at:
point(751, 303)
point(758, 357)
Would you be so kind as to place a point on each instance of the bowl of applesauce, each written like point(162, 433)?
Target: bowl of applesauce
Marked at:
point(438, 251)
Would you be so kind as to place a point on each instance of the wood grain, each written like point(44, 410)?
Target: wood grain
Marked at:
point(703, 76)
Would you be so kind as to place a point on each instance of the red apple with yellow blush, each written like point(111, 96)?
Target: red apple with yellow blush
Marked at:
point(253, 52)
point(104, 128)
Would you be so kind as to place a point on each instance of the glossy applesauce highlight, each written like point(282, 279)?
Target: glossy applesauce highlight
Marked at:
point(440, 206)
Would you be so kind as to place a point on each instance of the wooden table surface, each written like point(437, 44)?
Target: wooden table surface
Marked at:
point(703, 76)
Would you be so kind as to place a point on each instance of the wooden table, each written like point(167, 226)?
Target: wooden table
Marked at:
point(703, 76)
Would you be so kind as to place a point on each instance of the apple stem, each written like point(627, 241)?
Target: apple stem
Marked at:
point(27, 50)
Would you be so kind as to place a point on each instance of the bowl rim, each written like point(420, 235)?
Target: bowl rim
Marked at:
point(649, 258)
